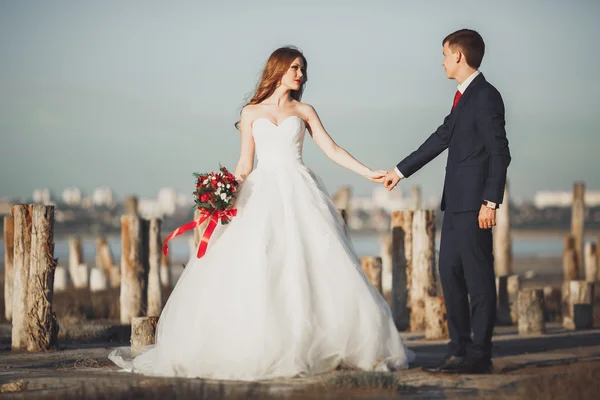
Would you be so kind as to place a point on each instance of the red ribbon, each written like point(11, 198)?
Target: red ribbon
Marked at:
point(214, 216)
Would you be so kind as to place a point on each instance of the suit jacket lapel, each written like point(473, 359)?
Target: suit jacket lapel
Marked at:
point(463, 99)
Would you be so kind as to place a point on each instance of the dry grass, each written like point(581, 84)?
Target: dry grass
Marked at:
point(82, 304)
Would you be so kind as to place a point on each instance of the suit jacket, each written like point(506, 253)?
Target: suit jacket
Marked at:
point(478, 154)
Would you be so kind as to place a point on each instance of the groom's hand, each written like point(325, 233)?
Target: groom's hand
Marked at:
point(487, 217)
point(391, 180)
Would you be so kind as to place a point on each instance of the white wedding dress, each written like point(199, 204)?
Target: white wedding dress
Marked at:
point(280, 291)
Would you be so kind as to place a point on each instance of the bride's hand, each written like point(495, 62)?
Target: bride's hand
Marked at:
point(376, 176)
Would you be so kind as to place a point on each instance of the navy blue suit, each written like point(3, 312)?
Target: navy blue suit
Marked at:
point(478, 157)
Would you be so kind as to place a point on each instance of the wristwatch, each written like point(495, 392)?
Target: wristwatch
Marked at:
point(490, 204)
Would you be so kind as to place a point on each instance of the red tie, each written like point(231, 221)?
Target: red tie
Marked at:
point(456, 99)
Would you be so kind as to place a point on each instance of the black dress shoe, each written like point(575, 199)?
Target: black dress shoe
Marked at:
point(474, 366)
point(448, 365)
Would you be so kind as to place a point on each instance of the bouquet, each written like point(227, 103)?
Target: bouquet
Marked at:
point(214, 195)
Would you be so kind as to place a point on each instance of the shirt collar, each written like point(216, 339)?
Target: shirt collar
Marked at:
point(463, 86)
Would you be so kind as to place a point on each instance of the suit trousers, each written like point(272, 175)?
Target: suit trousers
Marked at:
point(466, 265)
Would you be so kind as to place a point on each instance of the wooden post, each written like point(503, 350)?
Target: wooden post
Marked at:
point(143, 333)
point(423, 272)
point(104, 258)
point(577, 222)
point(341, 199)
point(385, 245)
point(416, 201)
point(79, 275)
point(22, 214)
point(98, 279)
point(570, 266)
point(61, 279)
point(114, 277)
point(502, 239)
point(134, 276)
point(513, 286)
point(42, 327)
point(130, 205)
point(344, 215)
point(591, 262)
point(578, 299)
point(531, 311)
point(552, 304)
point(371, 266)
point(155, 300)
point(9, 248)
point(402, 251)
point(436, 320)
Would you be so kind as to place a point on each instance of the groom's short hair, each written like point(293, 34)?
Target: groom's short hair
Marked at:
point(470, 44)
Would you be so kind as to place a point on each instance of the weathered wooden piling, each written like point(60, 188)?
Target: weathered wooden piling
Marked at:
point(130, 205)
point(9, 245)
point(134, 275)
point(578, 297)
point(578, 222)
point(502, 238)
point(104, 257)
point(143, 333)
point(570, 265)
point(552, 304)
point(61, 279)
point(371, 266)
point(41, 324)
point(98, 279)
point(385, 250)
point(155, 300)
point(531, 311)
point(436, 319)
point(402, 258)
point(422, 278)
point(79, 275)
point(591, 262)
point(22, 222)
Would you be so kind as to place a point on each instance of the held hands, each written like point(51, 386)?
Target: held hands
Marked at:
point(376, 176)
point(391, 179)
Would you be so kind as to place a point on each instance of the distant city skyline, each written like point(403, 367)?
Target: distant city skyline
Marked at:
point(137, 96)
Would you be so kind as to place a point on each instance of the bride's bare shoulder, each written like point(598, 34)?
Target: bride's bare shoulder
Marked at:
point(249, 112)
point(305, 109)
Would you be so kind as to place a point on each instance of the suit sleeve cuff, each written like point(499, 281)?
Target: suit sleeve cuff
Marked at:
point(400, 174)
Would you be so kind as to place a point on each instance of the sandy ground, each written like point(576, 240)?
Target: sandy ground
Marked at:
point(524, 367)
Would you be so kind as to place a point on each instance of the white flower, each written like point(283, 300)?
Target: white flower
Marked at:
point(212, 178)
point(205, 182)
point(219, 184)
point(223, 196)
point(228, 186)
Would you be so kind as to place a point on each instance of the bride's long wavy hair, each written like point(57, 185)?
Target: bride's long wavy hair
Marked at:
point(277, 65)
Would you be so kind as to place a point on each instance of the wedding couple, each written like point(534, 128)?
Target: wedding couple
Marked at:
point(281, 292)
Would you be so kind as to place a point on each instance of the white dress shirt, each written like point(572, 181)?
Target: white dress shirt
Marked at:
point(461, 88)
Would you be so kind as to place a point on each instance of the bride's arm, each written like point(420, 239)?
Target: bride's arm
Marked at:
point(246, 161)
point(335, 152)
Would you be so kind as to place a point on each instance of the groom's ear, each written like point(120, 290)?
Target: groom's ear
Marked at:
point(459, 55)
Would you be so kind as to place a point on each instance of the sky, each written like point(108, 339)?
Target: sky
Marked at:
point(139, 95)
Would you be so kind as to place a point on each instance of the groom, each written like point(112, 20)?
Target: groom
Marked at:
point(478, 157)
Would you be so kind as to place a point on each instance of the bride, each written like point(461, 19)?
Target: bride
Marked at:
point(280, 291)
